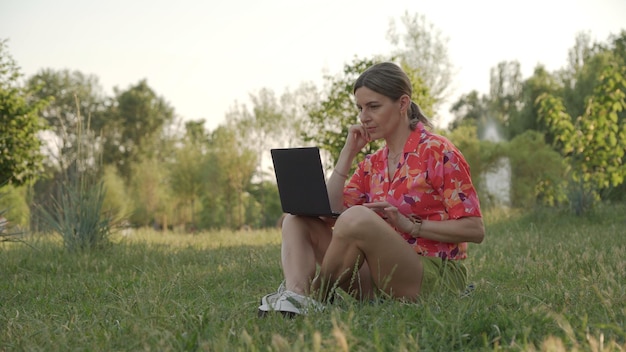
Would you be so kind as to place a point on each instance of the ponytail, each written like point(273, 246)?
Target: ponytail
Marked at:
point(416, 115)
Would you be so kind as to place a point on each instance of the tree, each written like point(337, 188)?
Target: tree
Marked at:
point(505, 90)
point(20, 157)
point(527, 117)
point(134, 121)
point(423, 48)
point(230, 167)
point(594, 143)
point(73, 96)
point(151, 196)
point(187, 175)
point(470, 109)
point(330, 118)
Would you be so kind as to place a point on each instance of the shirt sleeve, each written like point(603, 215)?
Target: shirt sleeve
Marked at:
point(355, 193)
point(449, 175)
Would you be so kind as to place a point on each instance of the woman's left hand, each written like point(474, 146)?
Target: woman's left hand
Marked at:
point(391, 215)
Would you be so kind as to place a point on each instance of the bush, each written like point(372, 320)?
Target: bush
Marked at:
point(77, 212)
point(538, 172)
point(77, 215)
point(14, 206)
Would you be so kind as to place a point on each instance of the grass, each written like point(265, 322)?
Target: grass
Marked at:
point(545, 281)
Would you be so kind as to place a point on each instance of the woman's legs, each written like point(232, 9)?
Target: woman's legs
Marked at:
point(361, 235)
point(304, 242)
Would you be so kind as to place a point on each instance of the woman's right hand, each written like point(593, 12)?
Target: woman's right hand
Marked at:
point(357, 139)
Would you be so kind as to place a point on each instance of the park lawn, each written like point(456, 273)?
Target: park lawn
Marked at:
point(545, 280)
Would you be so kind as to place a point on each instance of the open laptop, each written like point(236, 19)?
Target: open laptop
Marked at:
point(301, 182)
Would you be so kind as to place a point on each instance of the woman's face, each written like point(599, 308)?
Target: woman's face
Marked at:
point(378, 113)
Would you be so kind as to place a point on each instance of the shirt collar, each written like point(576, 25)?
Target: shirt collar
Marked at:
point(413, 141)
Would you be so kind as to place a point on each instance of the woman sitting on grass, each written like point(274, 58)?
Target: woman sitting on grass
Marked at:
point(409, 210)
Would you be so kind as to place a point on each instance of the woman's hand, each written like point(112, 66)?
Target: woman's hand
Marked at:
point(391, 215)
point(357, 139)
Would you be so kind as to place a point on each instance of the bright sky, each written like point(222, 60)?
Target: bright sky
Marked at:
point(202, 56)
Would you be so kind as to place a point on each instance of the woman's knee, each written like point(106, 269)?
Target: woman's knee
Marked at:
point(311, 226)
point(354, 221)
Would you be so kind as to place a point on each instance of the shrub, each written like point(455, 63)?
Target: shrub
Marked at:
point(538, 172)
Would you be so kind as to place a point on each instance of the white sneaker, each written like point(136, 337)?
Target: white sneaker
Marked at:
point(291, 304)
point(273, 297)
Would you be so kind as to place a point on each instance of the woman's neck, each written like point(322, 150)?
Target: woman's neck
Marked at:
point(395, 143)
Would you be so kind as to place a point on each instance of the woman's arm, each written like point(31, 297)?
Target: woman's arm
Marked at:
point(337, 181)
point(357, 138)
point(466, 229)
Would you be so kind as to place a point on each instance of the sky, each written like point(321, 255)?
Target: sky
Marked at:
point(204, 56)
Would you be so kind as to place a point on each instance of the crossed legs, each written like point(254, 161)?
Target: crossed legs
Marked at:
point(360, 240)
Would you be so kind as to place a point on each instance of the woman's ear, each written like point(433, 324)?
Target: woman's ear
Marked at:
point(405, 103)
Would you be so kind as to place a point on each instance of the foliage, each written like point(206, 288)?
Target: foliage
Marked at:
point(537, 172)
point(76, 212)
point(470, 109)
point(272, 210)
point(423, 50)
point(593, 143)
point(330, 118)
point(545, 280)
point(132, 123)
point(505, 90)
point(13, 213)
point(14, 206)
point(77, 215)
point(501, 106)
point(526, 118)
point(20, 157)
point(231, 165)
point(151, 199)
point(116, 202)
point(73, 96)
point(188, 171)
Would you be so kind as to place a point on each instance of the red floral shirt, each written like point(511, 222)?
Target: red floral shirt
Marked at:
point(432, 181)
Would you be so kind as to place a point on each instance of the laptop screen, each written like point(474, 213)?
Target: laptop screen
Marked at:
point(301, 182)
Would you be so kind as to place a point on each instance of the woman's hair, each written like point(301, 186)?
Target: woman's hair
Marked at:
point(391, 81)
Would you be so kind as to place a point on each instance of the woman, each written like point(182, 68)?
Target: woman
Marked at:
point(408, 211)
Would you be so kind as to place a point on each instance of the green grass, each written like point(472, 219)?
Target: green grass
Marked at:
point(545, 281)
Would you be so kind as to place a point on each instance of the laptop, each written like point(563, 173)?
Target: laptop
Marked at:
point(301, 182)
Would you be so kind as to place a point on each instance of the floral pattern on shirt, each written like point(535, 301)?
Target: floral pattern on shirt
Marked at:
point(432, 181)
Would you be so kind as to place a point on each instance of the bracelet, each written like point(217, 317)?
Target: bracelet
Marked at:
point(417, 221)
point(339, 173)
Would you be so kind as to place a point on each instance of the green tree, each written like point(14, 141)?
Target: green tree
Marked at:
point(20, 157)
point(14, 206)
point(496, 108)
point(230, 168)
point(505, 88)
point(470, 109)
point(117, 202)
point(594, 143)
point(295, 115)
point(188, 169)
point(330, 118)
point(150, 193)
point(134, 124)
point(527, 117)
point(73, 96)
